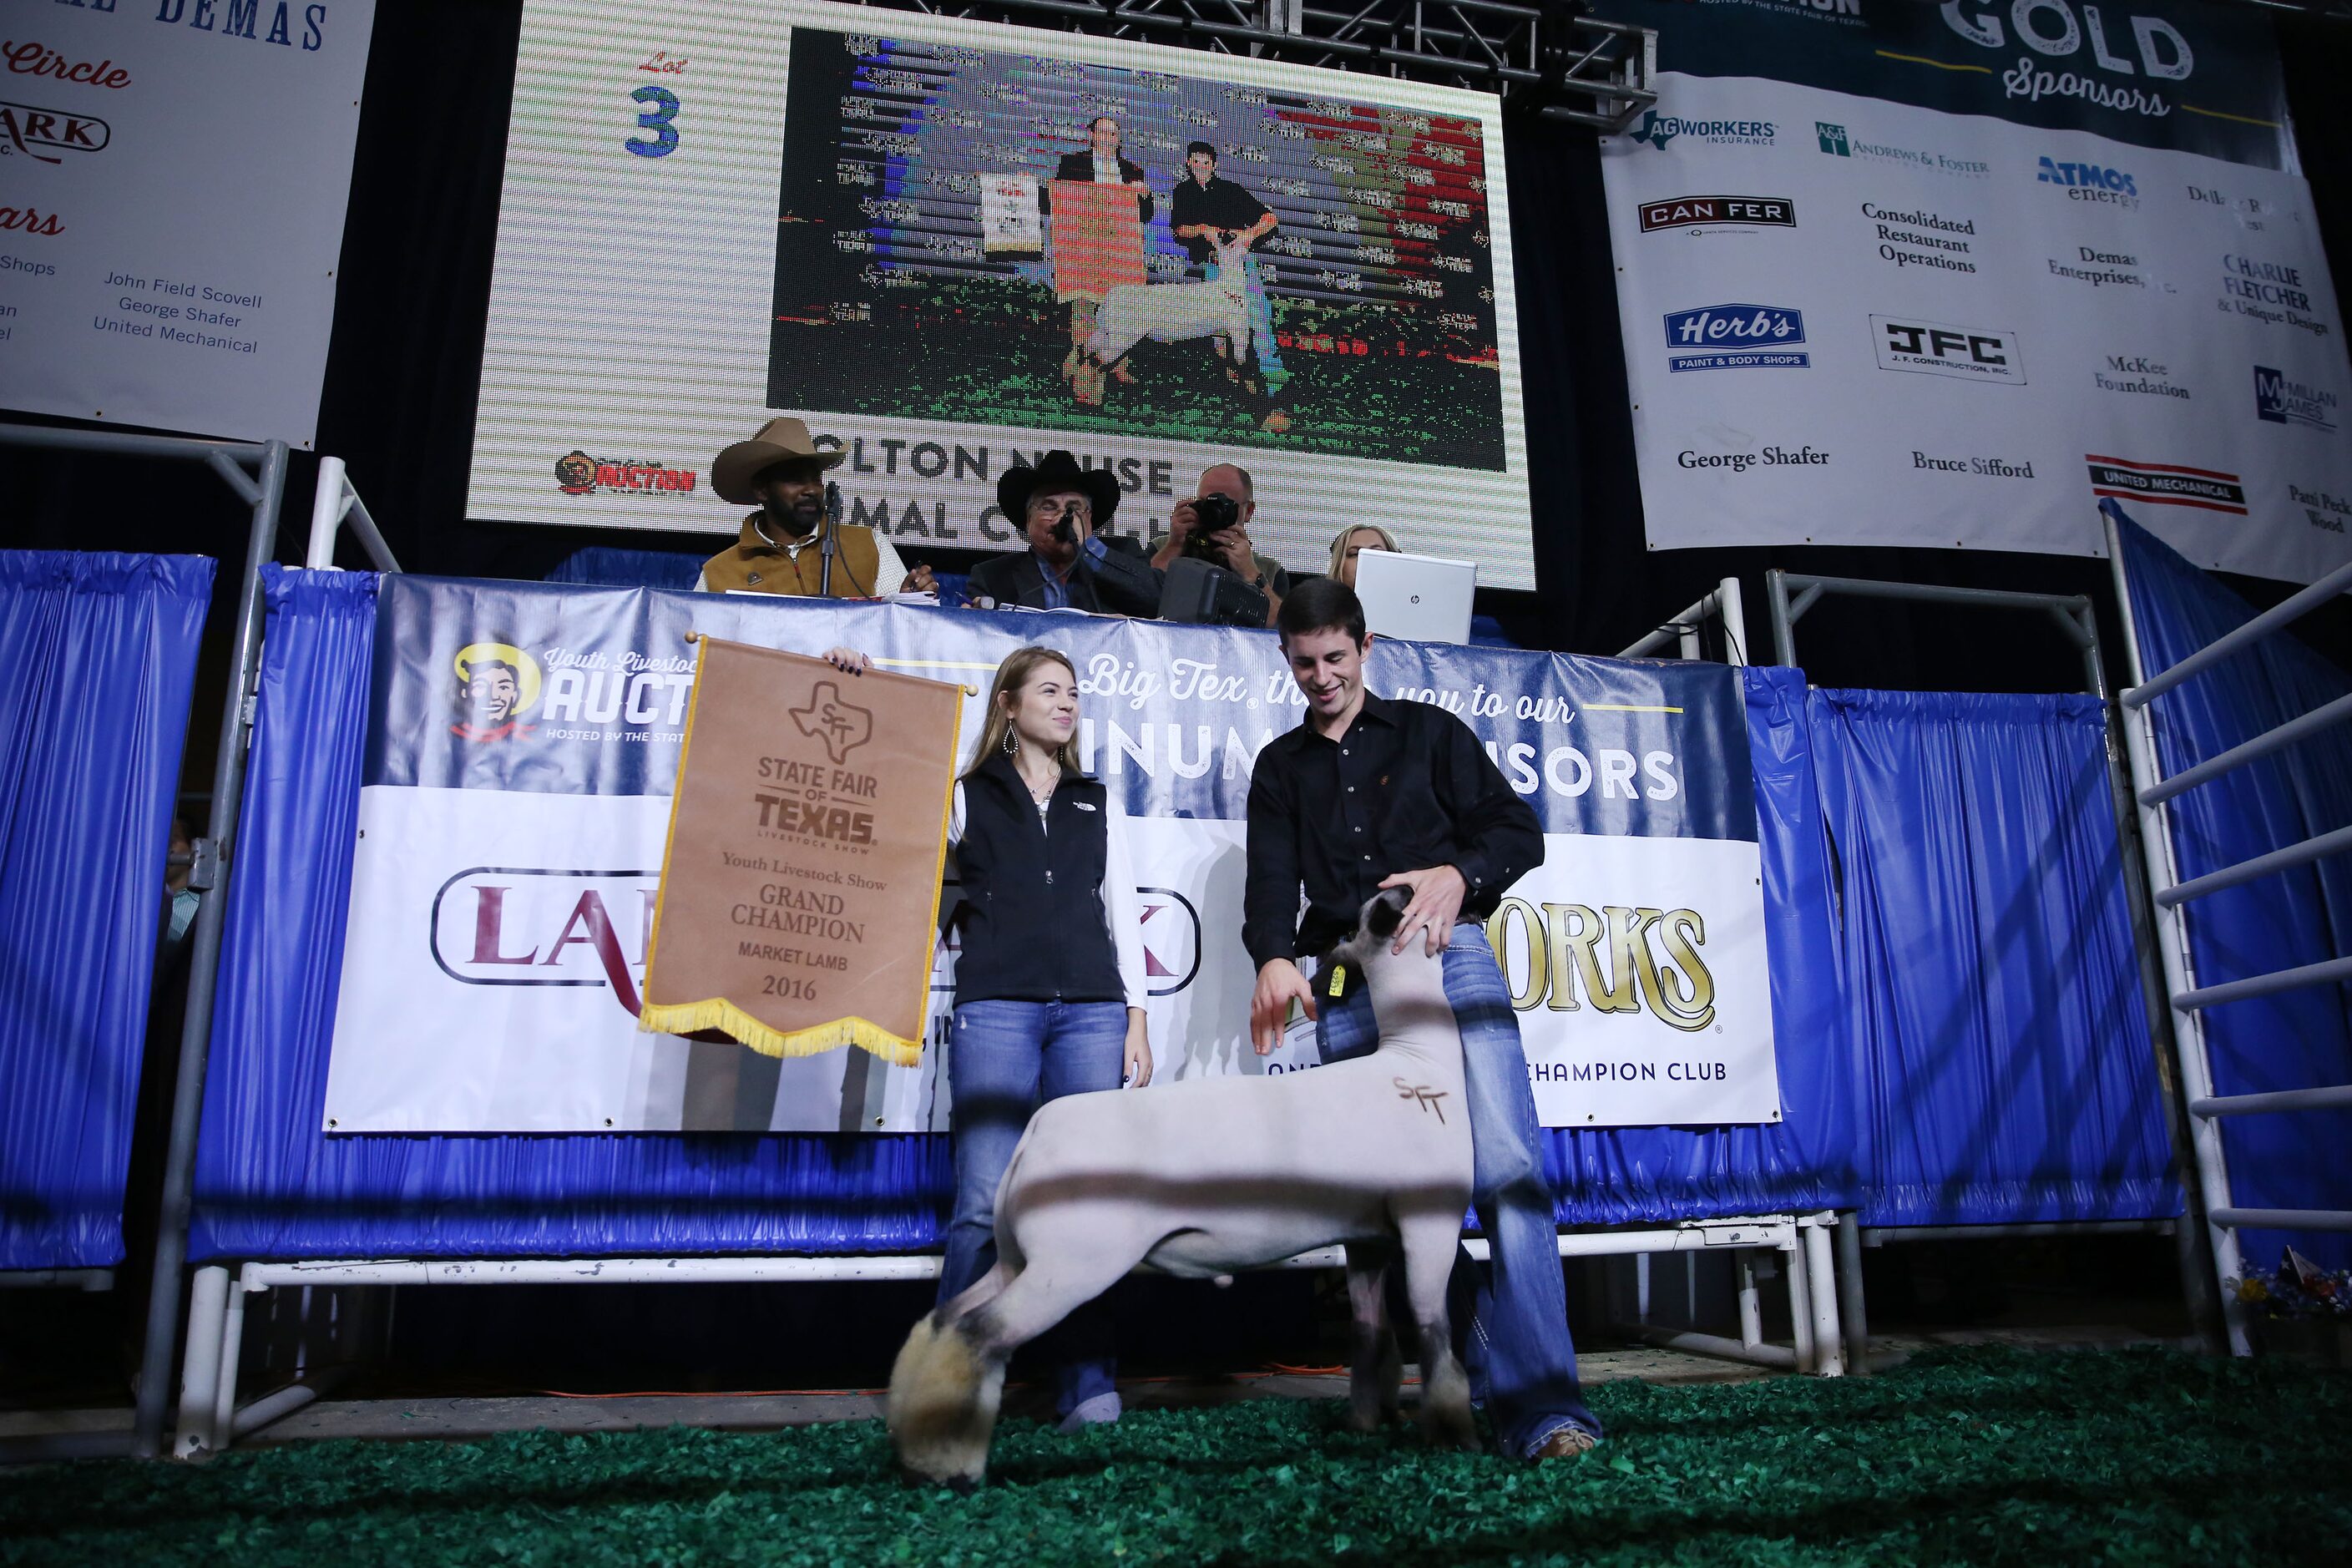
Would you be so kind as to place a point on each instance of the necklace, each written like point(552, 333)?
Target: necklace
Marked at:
point(1039, 793)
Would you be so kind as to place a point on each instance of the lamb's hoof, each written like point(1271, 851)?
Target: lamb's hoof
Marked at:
point(963, 1486)
point(1380, 1420)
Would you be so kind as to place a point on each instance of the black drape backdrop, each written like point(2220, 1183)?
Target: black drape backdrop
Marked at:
point(405, 362)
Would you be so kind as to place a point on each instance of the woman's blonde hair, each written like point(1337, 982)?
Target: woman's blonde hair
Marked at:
point(1010, 677)
point(1340, 544)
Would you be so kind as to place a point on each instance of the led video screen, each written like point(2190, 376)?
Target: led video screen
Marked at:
point(950, 246)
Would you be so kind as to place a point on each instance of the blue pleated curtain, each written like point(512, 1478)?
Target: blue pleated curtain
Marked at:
point(1984, 952)
point(2298, 1039)
point(100, 650)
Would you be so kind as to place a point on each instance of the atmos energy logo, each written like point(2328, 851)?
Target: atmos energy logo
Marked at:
point(1695, 212)
point(1736, 337)
point(2284, 402)
point(578, 474)
point(2090, 183)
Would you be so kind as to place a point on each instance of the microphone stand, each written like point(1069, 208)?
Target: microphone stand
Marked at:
point(825, 546)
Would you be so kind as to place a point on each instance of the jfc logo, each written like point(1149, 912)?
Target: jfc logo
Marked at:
point(578, 474)
point(1935, 348)
point(497, 684)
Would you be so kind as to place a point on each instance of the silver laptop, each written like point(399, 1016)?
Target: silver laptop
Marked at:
point(1417, 598)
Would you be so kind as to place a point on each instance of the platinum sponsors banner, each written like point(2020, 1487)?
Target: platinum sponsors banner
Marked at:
point(1855, 321)
point(523, 741)
point(832, 211)
point(166, 258)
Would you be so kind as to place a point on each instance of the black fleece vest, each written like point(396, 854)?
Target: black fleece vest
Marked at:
point(1034, 923)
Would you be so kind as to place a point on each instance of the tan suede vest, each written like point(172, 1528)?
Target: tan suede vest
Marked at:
point(754, 563)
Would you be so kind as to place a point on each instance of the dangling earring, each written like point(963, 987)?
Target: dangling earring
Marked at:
point(1011, 742)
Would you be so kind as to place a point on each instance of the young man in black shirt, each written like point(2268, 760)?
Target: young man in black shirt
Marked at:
point(1369, 794)
point(1206, 206)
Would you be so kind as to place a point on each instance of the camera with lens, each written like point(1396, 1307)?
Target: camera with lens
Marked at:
point(1213, 514)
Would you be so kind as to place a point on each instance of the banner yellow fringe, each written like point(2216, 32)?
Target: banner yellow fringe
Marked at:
point(717, 1013)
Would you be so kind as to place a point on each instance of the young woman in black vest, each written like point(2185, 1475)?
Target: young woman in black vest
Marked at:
point(1050, 982)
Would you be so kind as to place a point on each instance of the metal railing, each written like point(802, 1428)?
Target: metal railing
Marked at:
point(257, 473)
point(1683, 627)
point(2190, 999)
point(1789, 594)
point(333, 504)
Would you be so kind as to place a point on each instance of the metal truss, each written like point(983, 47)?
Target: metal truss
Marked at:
point(1545, 58)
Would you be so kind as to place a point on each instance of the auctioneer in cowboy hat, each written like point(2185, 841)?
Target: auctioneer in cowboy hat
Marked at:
point(779, 441)
point(766, 558)
point(1056, 470)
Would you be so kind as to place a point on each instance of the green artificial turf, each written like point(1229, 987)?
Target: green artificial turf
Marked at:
point(1976, 1456)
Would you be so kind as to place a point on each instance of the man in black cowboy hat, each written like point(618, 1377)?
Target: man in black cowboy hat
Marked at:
point(779, 551)
point(1071, 562)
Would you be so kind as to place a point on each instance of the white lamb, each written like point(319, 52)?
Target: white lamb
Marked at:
point(1168, 314)
point(1204, 1177)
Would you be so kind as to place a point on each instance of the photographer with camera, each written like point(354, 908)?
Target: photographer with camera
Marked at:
point(1214, 527)
point(1072, 564)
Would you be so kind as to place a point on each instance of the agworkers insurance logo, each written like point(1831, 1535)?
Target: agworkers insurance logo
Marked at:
point(497, 683)
point(578, 474)
point(1658, 129)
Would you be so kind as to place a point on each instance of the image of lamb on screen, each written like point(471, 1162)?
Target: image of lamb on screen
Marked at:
point(1000, 238)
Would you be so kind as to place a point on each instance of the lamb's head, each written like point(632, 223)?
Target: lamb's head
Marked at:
point(1233, 255)
point(1376, 927)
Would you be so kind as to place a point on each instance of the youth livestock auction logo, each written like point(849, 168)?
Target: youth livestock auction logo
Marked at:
point(497, 684)
point(578, 474)
point(1709, 212)
point(1935, 348)
point(1657, 130)
point(2284, 402)
point(1736, 337)
point(43, 133)
point(2167, 484)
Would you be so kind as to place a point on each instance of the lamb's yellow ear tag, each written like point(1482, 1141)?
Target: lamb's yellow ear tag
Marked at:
point(1338, 979)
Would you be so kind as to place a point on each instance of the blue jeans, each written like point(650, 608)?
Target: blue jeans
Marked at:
point(1005, 1057)
point(1511, 1327)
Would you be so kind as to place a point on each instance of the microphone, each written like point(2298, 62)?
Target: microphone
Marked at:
point(1065, 530)
point(825, 545)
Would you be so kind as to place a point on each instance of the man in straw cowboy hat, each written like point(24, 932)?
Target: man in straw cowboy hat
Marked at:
point(1063, 510)
point(779, 551)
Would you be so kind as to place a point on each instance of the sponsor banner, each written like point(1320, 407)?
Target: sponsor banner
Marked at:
point(2173, 74)
point(524, 742)
point(1970, 344)
point(868, 192)
point(163, 263)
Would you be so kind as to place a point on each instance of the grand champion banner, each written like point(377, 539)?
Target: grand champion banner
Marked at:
point(174, 175)
point(811, 809)
point(523, 741)
point(1897, 274)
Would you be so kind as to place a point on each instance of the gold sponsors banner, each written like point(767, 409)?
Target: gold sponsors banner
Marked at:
point(800, 888)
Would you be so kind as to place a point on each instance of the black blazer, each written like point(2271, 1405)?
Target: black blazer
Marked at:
point(1125, 585)
point(1080, 167)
